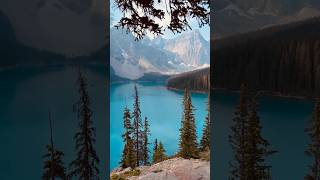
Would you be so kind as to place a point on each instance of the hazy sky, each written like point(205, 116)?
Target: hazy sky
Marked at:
point(116, 15)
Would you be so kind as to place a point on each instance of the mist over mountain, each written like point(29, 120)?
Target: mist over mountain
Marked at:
point(72, 27)
point(132, 59)
point(238, 16)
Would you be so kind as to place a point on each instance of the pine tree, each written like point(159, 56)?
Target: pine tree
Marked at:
point(205, 140)
point(188, 146)
point(238, 137)
point(146, 133)
point(155, 148)
point(85, 166)
point(159, 153)
point(53, 165)
point(313, 150)
point(257, 148)
point(137, 128)
point(128, 155)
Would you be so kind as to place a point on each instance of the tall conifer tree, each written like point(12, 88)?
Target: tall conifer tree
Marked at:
point(257, 148)
point(238, 137)
point(205, 140)
point(53, 165)
point(137, 128)
point(128, 155)
point(159, 153)
point(146, 133)
point(188, 146)
point(313, 150)
point(85, 166)
point(155, 148)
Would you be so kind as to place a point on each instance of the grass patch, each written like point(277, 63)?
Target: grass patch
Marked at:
point(126, 175)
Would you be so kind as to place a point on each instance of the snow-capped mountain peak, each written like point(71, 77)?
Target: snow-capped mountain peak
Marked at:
point(132, 59)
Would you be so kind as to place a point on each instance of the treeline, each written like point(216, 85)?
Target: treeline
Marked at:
point(251, 150)
point(85, 165)
point(136, 136)
point(281, 59)
point(198, 80)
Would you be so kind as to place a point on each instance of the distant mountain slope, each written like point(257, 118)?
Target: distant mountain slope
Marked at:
point(61, 26)
point(198, 80)
point(238, 16)
point(14, 53)
point(281, 59)
point(132, 59)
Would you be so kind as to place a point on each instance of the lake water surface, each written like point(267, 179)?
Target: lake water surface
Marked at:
point(26, 96)
point(283, 121)
point(163, 109)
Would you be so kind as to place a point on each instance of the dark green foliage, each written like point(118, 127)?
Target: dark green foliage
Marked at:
point(197, 80)
point(85, 166)
point(313, 150)
point(238, 137)
point(257, 148)
point(53, 165)
point(280, 59)
point(180, 13)
point(188, 146)
point(159, 152)
point(128, 155)
point(146, 133)
point(137, 128)
point(250, 148)
point(205, 140)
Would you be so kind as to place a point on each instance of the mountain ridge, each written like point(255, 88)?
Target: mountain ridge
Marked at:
point(131, 59)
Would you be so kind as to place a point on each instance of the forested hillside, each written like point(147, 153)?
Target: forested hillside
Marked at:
point(197, 80)
point(282, 59)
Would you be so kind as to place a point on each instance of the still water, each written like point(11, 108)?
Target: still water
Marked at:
point(283, 121)
point(26, 96)
point(162, 107)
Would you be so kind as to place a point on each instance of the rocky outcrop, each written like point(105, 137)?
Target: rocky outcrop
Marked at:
point(172, 169)
point(282, 59)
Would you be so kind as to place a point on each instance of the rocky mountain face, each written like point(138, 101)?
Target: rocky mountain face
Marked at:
point(132, 59)
point(238, 16)
point(281, 59)
point(172, 169)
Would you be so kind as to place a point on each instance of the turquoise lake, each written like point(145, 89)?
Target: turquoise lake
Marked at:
point(26, 96)
point(162, 107)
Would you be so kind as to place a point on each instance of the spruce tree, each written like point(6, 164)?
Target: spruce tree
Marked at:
point(205, 140)
point(155, 148)
point(137, 128)
point(128, 155)
point(159, 153)
point(53, 165)
point(257, 148)
point(238, 137)
point(188, 146)
point(85, 166)
point(313, 149)
point(146, 133)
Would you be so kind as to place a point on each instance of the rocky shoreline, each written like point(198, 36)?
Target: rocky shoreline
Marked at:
point(171, 169)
